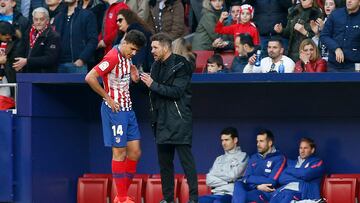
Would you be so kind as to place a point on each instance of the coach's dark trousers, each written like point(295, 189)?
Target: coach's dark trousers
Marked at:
point(166, 154)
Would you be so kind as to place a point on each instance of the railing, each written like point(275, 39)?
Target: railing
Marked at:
point(15, 95)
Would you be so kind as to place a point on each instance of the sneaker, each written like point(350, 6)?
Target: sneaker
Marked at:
point(127, 200)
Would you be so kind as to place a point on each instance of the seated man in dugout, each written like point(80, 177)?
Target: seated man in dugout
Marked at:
point(226, 169)
point(301, 178)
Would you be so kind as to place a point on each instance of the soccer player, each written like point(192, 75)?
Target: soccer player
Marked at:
point(119, 123)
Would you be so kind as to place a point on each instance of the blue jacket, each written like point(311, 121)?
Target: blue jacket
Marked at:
point(261, 170)
point(342, 30)
point(308, 175)
point(83, 36)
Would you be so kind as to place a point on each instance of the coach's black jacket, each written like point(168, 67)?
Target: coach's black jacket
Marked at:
point(43, 57)
point(170, 97)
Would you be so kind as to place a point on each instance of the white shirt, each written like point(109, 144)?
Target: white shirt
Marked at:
point(266, 63)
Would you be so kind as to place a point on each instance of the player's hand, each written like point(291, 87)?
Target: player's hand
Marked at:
point(265, 188)
point(145, 77)
point(101, 44)
point(115, 107)
point(339, 55)
point(134, 74)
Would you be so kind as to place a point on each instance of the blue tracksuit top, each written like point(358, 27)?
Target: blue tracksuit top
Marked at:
point(261, 170)
point(309, 176)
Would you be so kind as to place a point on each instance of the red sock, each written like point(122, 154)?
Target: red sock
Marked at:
point(119, 176)
point(130, 170)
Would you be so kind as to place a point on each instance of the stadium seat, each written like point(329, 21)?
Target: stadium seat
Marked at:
point(350, 175)
point(201, 59)
point(184, 188)
point(228, 58)
point(153, 192)
point(92, 190)
point(338, 190)
point(101, 175)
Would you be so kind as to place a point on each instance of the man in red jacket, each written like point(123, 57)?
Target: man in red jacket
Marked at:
point(109, 28)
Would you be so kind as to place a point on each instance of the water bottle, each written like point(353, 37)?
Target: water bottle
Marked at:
point(258, 58)
point(281, 67)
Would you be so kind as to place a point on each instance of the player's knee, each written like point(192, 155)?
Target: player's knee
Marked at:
point(119, 154)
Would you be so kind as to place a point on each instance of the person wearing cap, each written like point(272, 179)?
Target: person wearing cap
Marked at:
point(244, 26)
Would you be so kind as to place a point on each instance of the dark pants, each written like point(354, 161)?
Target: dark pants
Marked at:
point(166, 153)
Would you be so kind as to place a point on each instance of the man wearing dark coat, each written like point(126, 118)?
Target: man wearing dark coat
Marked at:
point(170, 96)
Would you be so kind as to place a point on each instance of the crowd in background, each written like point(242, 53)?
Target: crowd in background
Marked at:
point(71, 36)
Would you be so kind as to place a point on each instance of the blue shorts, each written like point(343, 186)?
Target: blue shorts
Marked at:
point(118, 127)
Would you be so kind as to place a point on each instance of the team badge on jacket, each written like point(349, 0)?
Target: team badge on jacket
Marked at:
point(268, 164)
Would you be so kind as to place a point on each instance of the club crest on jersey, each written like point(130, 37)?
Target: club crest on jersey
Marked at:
point(111, 15)
point(117, 140)
point(307, 165)
point(104, 65)
point(268, 164)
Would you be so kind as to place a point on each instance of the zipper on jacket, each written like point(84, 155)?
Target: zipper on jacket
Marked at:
point(71, 29)
point(178, 110)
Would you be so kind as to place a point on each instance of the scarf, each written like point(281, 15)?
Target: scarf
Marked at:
point(34, 35)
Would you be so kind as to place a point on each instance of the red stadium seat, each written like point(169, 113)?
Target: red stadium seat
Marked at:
point(92, 190)
point(153, 192)
point(135, 190)
point(101, 175)
point(201, 59)
point(350, 175)
point(228, 58)
point(340, 190)
point(184, 188)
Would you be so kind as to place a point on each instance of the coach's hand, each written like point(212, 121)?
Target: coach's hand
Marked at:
point(145, 77)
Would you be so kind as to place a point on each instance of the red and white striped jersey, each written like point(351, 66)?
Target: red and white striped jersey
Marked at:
point(115, 72)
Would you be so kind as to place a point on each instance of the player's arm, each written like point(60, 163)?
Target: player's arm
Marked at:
point(92, 79)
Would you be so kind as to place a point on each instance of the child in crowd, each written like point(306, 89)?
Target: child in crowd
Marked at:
point(215, 64)
point(245, 25)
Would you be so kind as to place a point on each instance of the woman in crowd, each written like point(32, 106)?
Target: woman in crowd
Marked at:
point(318, 24)
point(180, 47)
point(128, 20)
point(298, 25)
point(310, 60)
point(205, 34)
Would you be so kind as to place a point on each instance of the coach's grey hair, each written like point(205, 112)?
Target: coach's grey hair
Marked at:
point(41, 10)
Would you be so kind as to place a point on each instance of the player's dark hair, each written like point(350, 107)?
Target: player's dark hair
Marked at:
point(135, 37)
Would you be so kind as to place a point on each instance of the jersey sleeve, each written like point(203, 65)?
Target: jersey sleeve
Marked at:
point(108, 63)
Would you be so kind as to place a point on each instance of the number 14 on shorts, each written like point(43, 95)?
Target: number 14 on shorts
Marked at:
point(117, 130)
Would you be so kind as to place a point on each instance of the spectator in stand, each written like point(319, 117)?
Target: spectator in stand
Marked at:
point(245, 25)
point(266, 15)
point(298, 25)
point(182, 48)
point(167, 16)
point(205, 34)
point(109, 28)
point(54, 7)
point(11, 48)
point(98, 7)
point(8, 14)
point(341, 35)
point(245, 47)
point(77, 29)
point(340, 3)
point(128, 20)
point(301, 178)
point(195, 14)
point(318, 24)
point(141, 7)
point(262, 171)
point(226, 169)
point(310, 60)
point(215, 64)
point(42, 46)
point(271, 63)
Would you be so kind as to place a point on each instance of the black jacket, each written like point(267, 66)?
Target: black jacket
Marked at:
point(43, 57)
point(170, 97)
point(83, 40)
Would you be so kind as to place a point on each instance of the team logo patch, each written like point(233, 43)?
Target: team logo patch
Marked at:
point(268, 164)
point(117, 140)
point(307, 165)
point(110, 15)
point(53, 46)
point(104, 65)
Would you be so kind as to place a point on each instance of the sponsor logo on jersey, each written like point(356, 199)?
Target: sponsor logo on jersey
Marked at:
point(104, 65)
